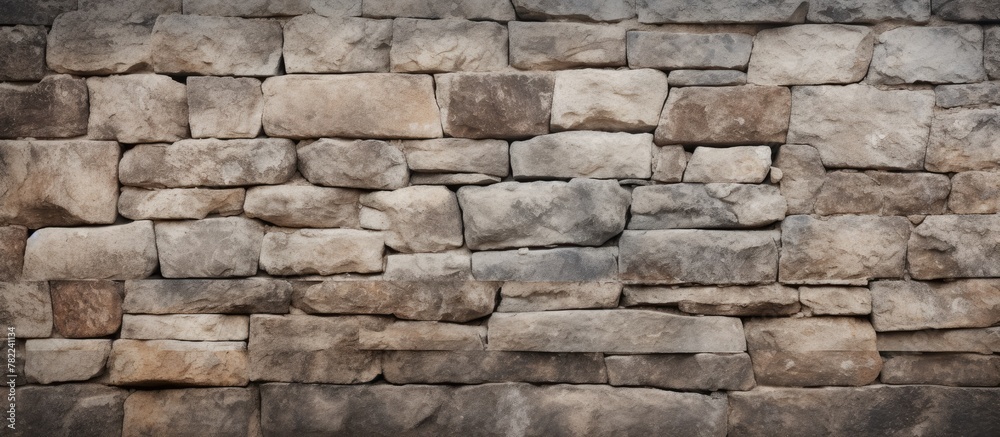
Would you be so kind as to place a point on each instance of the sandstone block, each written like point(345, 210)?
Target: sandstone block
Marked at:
point(91, 42)
point(495, 105)
point(843, 249)
point(194, 327)
point(209, 248)
point(78, 409)
point(720, 11)
point(192, 163)
point(370, 164)
point(704, 372)
point(137, 108)
point(984, 341)
point(468, 9)
point(669, 163)
point(27, 306)
point(322, 252)
point(451, 301)
point(557, 46)
point(12, 241)
point(423, 336)
point(542, 10)
point(803, 176)
point(86, 309)
point(836, 301)
point(969, 370)
point(56, 107)
point(193, 296)
point(315, 44)
point(955, 246)
point(300, 204)
point(912, 305)
point(944, 54)
point(966, 10)
point(676, 257)
point(272, 8)
point(478, 367)
point(224, 107)
point(591, 99)
point(868, 11)
point(111, 252)
point(561, 264)
point(23, 53)
point(725, 116)
point(882, 193)
point(584, 154)
point(680, 78)
point(823, 53)
point(675, 51)
point(747, 164)
point(432, 46)
point(767, 300)
point(462, 155)
point(549, 296)
point(448, 265)
point(964, 139)
point(37, 12)
point(179, 203)
point(974, 192)
point(415, 219)
point(229, 412)
point(172, 362)
point(983, 93)
point(220, 46)
point(59, 360)
point(678, 206)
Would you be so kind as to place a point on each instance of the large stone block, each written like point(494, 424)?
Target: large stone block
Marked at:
point(802, 177)
point(452, 301)
point(111, 252)
point(983, 341)
point(912, 305)
point(547, 296)
point(970, 370)
point(598, 155)
point(37, 12)
point(423, 336)
point(674, 51)
point(542, 10)
point(27, 306)
point(191, 327)
point(369, 164)
point(678, 206)
point(224, 107)
point(179, 203)
point(273, 8)
point(945, 54)
point(91, 42)
point(86, 309)
point(489, 157)
point(495, 105)
point(59, 360)
point(209, 248)
point(301, 205)
point(964, 139)
point(766, 300)
point(56, 107)
point(137, 108)
point(615, 100)
point(434, 46)
point(842, 249)
point(966, 10)
point(468, 9)
point(702, 372)
point(677, 257)
point(478, 367)
point(193, 296)
point(315, 44)
point(322, 252)
point(882, 193)
point(172, 362)
point(224, 412)
point(557, 46)
point(12, 241)
point(970, 94)
point(823, 53)
point(973, 192)
point(744, 164)
point(725, 116)
point(955, 246)
point(415, 219)
point(868, 11)
point(721, 11)
point(69, 410)
point(562, 264)
point(219, 46)
point(22, 53)
point(193, 163)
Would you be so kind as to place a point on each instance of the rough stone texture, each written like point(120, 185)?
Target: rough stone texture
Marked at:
point(803, 176)
point(34, 11)
point(452, 179)
point(971, 370)
point(911, 305)
point(59, 360)
point(983, 93)
point(703, 372)
point(433, 46)
point(882, 193)
point(563, 264)
point(836, 301)
point(615, 100)
point(112, 252)
point(209, 248)
point(991, 51)
point(462, 155)
point(558, 46)
point(194, 327)
point(598, 155)
point(975, 192)
point(179, 203)
point(747, 164)
point(669, 163)
point(377, 105)
point(228, 412)
point(706, 78)
point(329, 354)
point(224, 107)
point(132, 10)
point(27, 307)
point(423, 336)
point(542, 10)
point(843, 249)
point(955, 246)
point(415, 219)
point(964, 139)
point(858, 126)
point(946, 54)
point(495, 105)
point(91, 42)
point(621, 331)
point(23, 53)
point(966, 10)
point(549, 296)
point(56, 107)
point(272, 8)
point(451, 301)
point(583, 211)
point(448, 265)
point(984, 341)
point(478, 367)
point(89, 410)
point(193, 296)
point(315, 44)
point(810, 54)
point(675, 51)
point(172, 362)
point(58, 183)
point(732, 116)
point(813, 351)
point(322, 252)
point(193, 163)
point(302, 205)
point(137, 108)
point(468, 9)
point(868, 11)
point(220, 46)
point(369, 164)
point(721, 11)
point(12, 241)
point(768, 300)
point(677, 257)
point(678, 206)
point(86, 309)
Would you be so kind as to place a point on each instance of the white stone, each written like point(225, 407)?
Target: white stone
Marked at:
point(945, 54)
point(194, 327)
point(810, 54)
point(583, 154)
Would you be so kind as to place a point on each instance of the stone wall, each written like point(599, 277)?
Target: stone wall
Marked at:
point(482, 217)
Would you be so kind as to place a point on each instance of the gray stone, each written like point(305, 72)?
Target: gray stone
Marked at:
point(583, 211)
point(564, 264)
point(703, 372)
point(37, 12)
point(478, 367)
point(56, 107)
point(462, 155)
point(542, 10)
point(59, 360)
point(882, 193)
point(747, 164)
point(955, 246)
point(495, 105)
point(209, 248)
point(12, 241)
point(970, 370)
point(549, 296)
point(315, 44)
point(676, 257)
point(615, 100)
point(193, 163)
point(912, 305)
point(179, 203)
point(132, 10)
point(433, 46)
point(669, 163)
point(224, 107)
point(172, 362)
point(321, 252)
point(448, 265)
point(766, 300)
point(224, 412)
point(858, 126)
point(301, 205)
point(370, 164)
point(415, 219)
point(721, 11)
point(584, 154)
point(137, 108)
point(966, 10)
point(451, 301)
point(453, 179)
point(468, 9)
point(194, 296)
point(868, 11)
point(85, 410)
point(423, 336)
point(974, 192)
point(90, 42)
point(22, 53)
point(678, 206)
point(741, 115)
point(706, 78)
point(803, 176)
point(272, 8)
point(27, 307)
point(675, 51)
point(110, 252)
point(983, 341)
point(847, 250)
point(991, 51)
point(945, 54)
point(964, 139)
point(822, 53)
point(220, 46)
point(557, 46)
point(984, 93)
point(193, 327)
point(836, 301)
point(86, 309)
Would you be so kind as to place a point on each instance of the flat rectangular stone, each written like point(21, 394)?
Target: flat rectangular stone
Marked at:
point(983, 341)
point(720, 11)
point(706, 78)
point(434, 46)
point(273, 8)
point(564, 264)
point(316, 44)
point(557, 46)
point(93, 42)
point(823, 53)
point(414, 219)
point(38, 12)
point(676, 257)
point(955, 246)
point(216, 411)
point(703, 372)
point(478, 367)
point(608, 10)
point(134, 10)
point(192, 163)
point(669, 163)
point(453, 179)
point(968, 370)
point(836, 301)
point(973, 192)
point(60, 360)
point(468, 9)
point(197, 296)
point(193, 327)
point(934, 54)
point(966, 10)
point(172, 362)
point(27, 306)
point(912, 305)
point(179, 203)
point(12, 241)
point(868, 11)
point(612, 100)
point(964, 139)
point(461, 155)
point(549, 296)
point(678, 206)
point(802, 176)
point(137, 108)
point(109, 252)
point(882, 193)
point(450, 265)
point(742, 164)
point(767, 300)
point(677, 51)
point(302, 205)
point(451, 301)
point(322, 252)
point(210, 248)
point(86, 409)
point(224, 107)
point(23, 56)
point(56, 107)
point(423, 336)
point(583, 154)
point(219, 46)
point(368, 164)
point(846, 250)
point(86, 309)
point(968, 94)
point(473, 105)
point(725, 116)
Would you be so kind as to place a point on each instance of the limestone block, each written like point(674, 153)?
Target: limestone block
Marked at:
point(583, 154)
point(669, 163)
point(678, 206)
point(848, 250)
point(592, 10)
point(951, 96)
point(315, 44)
point(964, 139)
point(747, 164)
point(478, 367)
point(211, 296)
point(675, 51)
point(975, 192)
point(433, 46)
point(720, 11)
point(92, 42)
point(423, 336)
point(489, 157)
point(937, 54)
point(272, 8)
point(677, 257)
point(765, 300)
point(561, 264)
point(59, 360)
point(110, 252)
point(370, 164)
point(22, 53)
point(219, 46)
point(703, 372)
point(468, 9)
point(137, 108)
point(616, 100)
point(27, 306)
point(706, 78)
point(229, 412)
point(803, 176)
point(557, 46)
point(81, 409)
point(224, 107)
point(415, 219)
point(172, 362)
point(968, 370)
point(955, 246)
point(495, 105)
point(56, 107)
point(740, 115)
point(301, 205)
point(322, 252)
point(912, 305)
point(194, 327)
point(836, 301)
point(86, 309)
point(209, 248)
point(451, 301)
point(811, 54)
point(868, 11)
point(548, 296)
point(12, 241)
point(882, 193)
point(193, 163)
point(179, 203)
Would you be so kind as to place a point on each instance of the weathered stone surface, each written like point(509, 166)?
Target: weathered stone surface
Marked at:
point(12, 241)
point(882, 193)
point(964, 139)
point(548, 296)
point(451, 265)
point(453, 179)
point(433, 46)
point(22, 56)
point(329, 354)
point(725, 116)
point(423, 336)
point(56, 107)
point(585, 154)
point(272, 8)
point(451, 301)
point(705, 372)
point(983, 93)
point(58, 183)
point(478, 367)
point(79, 409)
point(86, 309)
point(669, 163)
point(955, 246)
point(395, 106)
point(557, 46)
point(91, 42)
point(674, 51)
point(802, 176)
point(34, 11)
point(172, 362)
point(502, 409)
point(322, 252)
point(562, 264)
point(813, 351)
point(945, 54)
point(59, 360)
point(975, 192)
point(229, 412)
point(209, 248)
point(137, 108)
point(868, 11)
point(676, 257)
point(767, 300)
point(370, 164)
point(111, 252)
point(621, 331)
point(864, 411)
point(991, 51)
point(583, 211)
point(195, 327)
point(912, 305)
point(747, 164)
point(495, 105)
point(858, 126)
point(179, 203)
point(706, 78)
point(468, 9)
point(984, 341)
point(843, 249)
point(301, 205)
point(810, 54)
point(132, 10)
point(27, 307)
point(193, 296)
point(415, 219)
point(721, 11)
point(224, 107)
point(220, 46)
point(457, 155)
point(970, 370)
point(192, 163)
point(836, 301)
point(616, 100)
point(679, 206)
point(614, 10)
point(315, 44)
point(966, 10)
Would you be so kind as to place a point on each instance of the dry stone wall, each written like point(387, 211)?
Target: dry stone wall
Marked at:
point(492, 217)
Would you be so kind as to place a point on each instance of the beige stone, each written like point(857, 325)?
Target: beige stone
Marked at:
point(172, 362)
point(725, 116)
point(673, 51)
point(56, 107)
point(110, 252)
point(179, 203)
point(224, 107)
point(137, 108)
point(495, 105)
point(766, 300)
point(440, 300)
point(811, 54)
point(426, 336)
point(209, 248)
point(453, 179)
point(882, 193)
point(715, 11)
point(549, 296)
point(59, 360)
point(86, 309)
point(583, 154)
point(489, 157)
point(12, 241)
point(212, 296)
point(271, 8)
point(846, 250)
point(468, 9)
point(975, 192)
point(316, 44)
point(682, 78)
point(194, 327)
point(615, 100)
point(677, 206)
point(560, 264)
point(983, 341)
point(912, 305)
point(322, 252)
point(27, 306)
point(962, 370)
point(557, 45)
point(228, 412)
point(301, 205)
point(669, 163)
point(543, 10)
point(955, 246)
point(836, 301)
point(415, 219)
point(447, 265)
point(219, 46)
point(936, 54)
point(432, 46)
point(963, 140)
point(704, 372)
point(477, 367)
point(733, 165)
point(193, 163)
point(90, 42)
point(676, 256)
point(370, 164)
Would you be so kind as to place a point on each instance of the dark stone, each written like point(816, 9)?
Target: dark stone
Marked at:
point(12, 241)
point(84, 309)
point(495, 105)
point(966, 10)
point(969, 370)
point(56, 107)
point(36, 12)
point(22, 53)
point(454, 301)
point(77, 410)
point(478, 367)
point(198, 296)
point(725, 116)
point(199, 411)
point(698, 256)
point(562, 264)
point(682, 371)
point(868, 11)
point(721, 11)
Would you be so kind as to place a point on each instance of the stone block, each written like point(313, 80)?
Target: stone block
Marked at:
point(301, 205)
point(131, 10)
point(69, 409)
point(172, 362)
point(676, 257)
point(219, 46)
point(193, 163)
point(93, 43)
point(836, 301)
point(983, 93)
point(193, 327)
point(702, 372)
point(27, 306)
point(224, 107)
point(495, 105)
point(451, 265)
point(453, 179)
point(669, 163)
point(468, 9)
point(558, 46)
point(974, 192)
point(679, 78)
point(676, 51)
point(369, 164)
point(59, 360)
point(179, 203)
point(615, 100)
point(955, 246)
point(110, 252)
point(543, 10)
point(12, 241)
point(434, 46)
point(983, 341)
point(966, 10)
point(137, 108)
point(273, 8)
point(451, 301)
point(935, 54)
point(322, 252)
point(209, 248)
point(478, 367)
point(725, 116)
point(961, 370)
point(823, 53)
point(315, 44)
point(963, 140)
point(415, 219)
point(548, 296)
point(882, 193)
point(194, 296)
point(36, 12)
point(583, 154)
point(868, 11)
point(720, 11)
point(991, 51)
point(22, 53)
point(746, 164)
point(561, 264)
point(739, 301)
point(678, 206)
point(86, 309)
point(848, 250)
point(56, 107)
point(912, 305)
point(423, 336)
point(489, 157)
point(803, 176)
point(224, 412)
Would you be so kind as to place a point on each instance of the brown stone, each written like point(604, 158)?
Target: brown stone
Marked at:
point(983, 341)
point(962, 370)
point(975, 192)
point(765, 300)
point(215, 46)
point(137, 108)
point(882, 193)
point(12, 241)
point(495, 105)
point(193, 163)
point(224, 412)
point(452, 301)
point(27, 307)
point(22, 56)
point(56, 107)
point(842, 249)
point(478, 367)
point(423, 336)
point(676, 256)
point(743, 115)
point(83, 309)
point(704, 372)
point(912, 305)
point(955, 246)
point(172, 362)
point(194, 296)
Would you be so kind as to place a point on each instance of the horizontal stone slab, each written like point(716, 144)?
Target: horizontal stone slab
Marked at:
point(983, 341)
point(745, 164)
point(453, 179)
point(720, 11)
point(546, 265)
point(179, 203)
point(423, 336)
point(882, 193)
point(414, 219)
point(56, 107)
point(322, 252)
point(216, 411)
point(842, 249)
point(435, 46)
point(955, 246)
point(208, 296)
point(912, 305)
point(682, 78)
point(970, 94)
point(824, 54)
point(91, 42)
point(676, 257)
point(473, 105)
point(109, 252)
point(317, 44)
point(266, 8)
point(725, 116)
point(837, 301)
point(704, 372)
point(301, 205)
point(193, 163)
point(172, 362)
point(60, 360)
point(452, 265)
point(369, 164)
point(562, 45)
point(677, 51)
point(452, 301)
point(460, 155)
point(542, 10)
point(468, 9)
point(962, 370)
point(479, 367)
point(613, 100)
point(548, 296)
point(962, 140)
point(215, 46)
point(210, 248)
point(676, 206)
point(86, 409)
point(584, 154)
point(192, 327)
point(137, 108)
point(935, 54)
point(966, 10)
point(766, 300)
point(867, 11)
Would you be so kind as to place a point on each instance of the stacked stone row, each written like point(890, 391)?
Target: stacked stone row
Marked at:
point(336, 216)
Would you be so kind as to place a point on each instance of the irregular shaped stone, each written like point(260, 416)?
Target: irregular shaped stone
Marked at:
point(81, 409)
point(882, 193)
point(12, 241)
point(585, 154)
point(706, 78)
point(955, 246)
point(229, 412)
point(468, 9)
point(974, 192)
point(991, 51)
point(423, 336)
point(453, 179)
point(192, 163)
point(315, 44)
point(172, 362)
point(984, 93)
point(734, 165)
point(193, 296)
point(194, 327)
point(669, 163)
point(813, 351)
point(846, 249)
point(91, 42)
point(452, 301)
point(984, 341)
point(488, 157)
point(703, 372)
point(224, 107)
point(676, 257)
point(823, 53)
point(59, 360)
point(548, 296)
point(616, 100)
point(415, 219)
point(301, 205)
point(137, 108)
point(27, 307)
point(448, 265)
point(966, 10)
point(858, 126)
point(209, 248)
point(58, 183)
point(725, 116)
point(868, 11)
point(721, 11)
point(836, 301)
point(803, 176)
point(36, 12)
point(23, 56)
point(329, 354)
point(478, 367)
point(677, 206)
point(322, 252)
point(768, 300)
point(964, 139)
point(179, 203)
point(675, 51)
point(561, 264)
point(495, 105)
point(558, 46)
point(944, 54)
point(110, 252)
point(542, 10)
point(583, 211)
point(220, 46)
point(969, 370)
point(912, 305)
point(433, 46)
point(395, 106)
point(367, 164)
point(272, 8)
point(56, 107)
point(86, 309)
